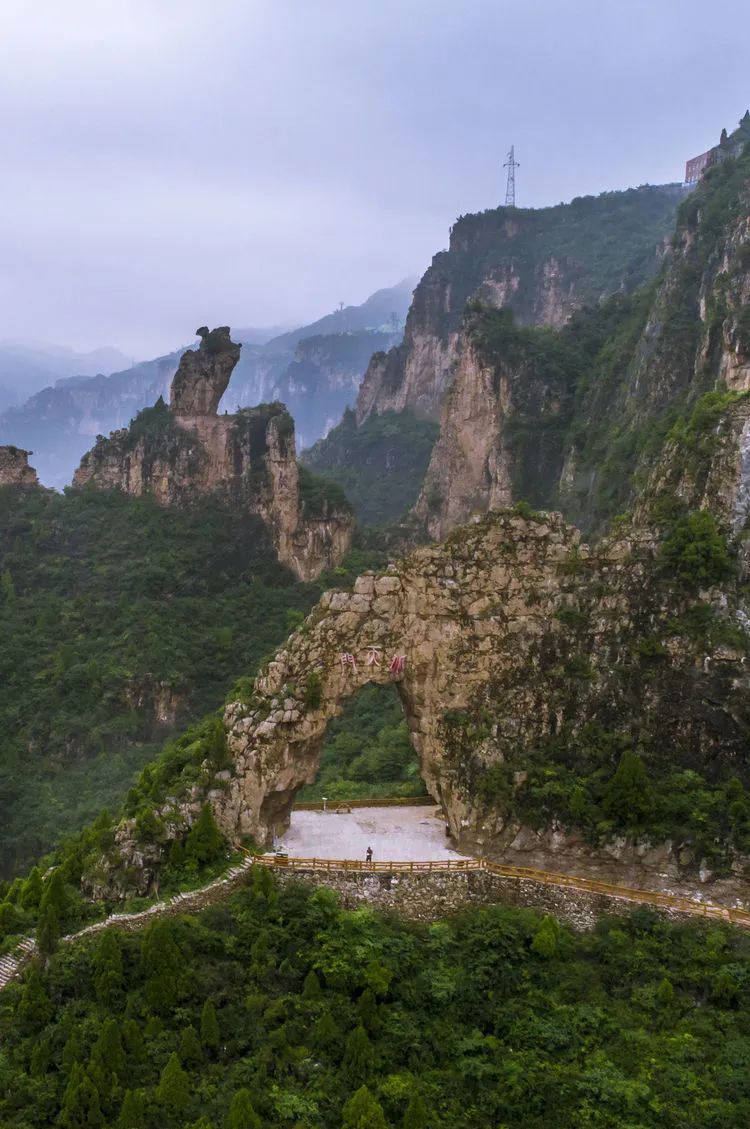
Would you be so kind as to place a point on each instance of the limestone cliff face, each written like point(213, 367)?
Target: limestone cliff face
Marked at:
point(248, 459)
point(469, 471)
point(562, 418)
point(542, 264)
point(15, 469)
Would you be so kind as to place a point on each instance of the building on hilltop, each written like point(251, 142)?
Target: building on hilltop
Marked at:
point(727, 147)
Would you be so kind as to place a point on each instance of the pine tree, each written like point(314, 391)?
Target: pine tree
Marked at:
point(54, 894)
point(416, 1113)
point(108, 1052)
point(367, 1010)
point(205, 841)
point(363, 1111)
point(35, 1007)
point(108, 976)
point(47, 930)
point(31, 894)
point(40, 1058)
point(80, 1105)
point(325, 1032)
point(242, 1115)
point(7, 588)
point(162, 964)
point(209, 1027)
point(72, 1051)
point(547, 937)
point(190, 1047)
point(628, 797)
point(311, 989)
point(173, 1091)
point(132, 1110)
point(359, 1057)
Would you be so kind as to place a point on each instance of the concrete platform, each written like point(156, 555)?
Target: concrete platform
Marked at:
point(403, 834)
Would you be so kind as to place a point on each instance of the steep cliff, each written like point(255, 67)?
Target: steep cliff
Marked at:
point(187, 452)
point(542, 264)
point(577, 417)
point(15, 469)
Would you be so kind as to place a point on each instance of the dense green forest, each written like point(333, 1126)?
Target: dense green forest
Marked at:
point(278, 1009)
point(121, 621)
point(380, 464)
point(367, 751)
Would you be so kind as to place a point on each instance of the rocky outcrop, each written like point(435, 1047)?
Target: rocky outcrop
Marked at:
point(15, 469)
point(203, 374)
point(248, 460)
point(542, 264)
point(470, 468)
point(509, 634)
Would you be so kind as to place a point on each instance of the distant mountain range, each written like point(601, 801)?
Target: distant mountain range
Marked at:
point(25, 368)
point(314, 369)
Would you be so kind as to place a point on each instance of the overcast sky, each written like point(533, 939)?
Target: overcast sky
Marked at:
point(174, 162)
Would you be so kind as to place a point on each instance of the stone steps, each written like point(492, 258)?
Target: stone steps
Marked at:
point(11, 963)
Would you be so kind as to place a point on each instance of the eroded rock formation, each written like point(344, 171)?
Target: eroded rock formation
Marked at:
point(511, 632)
point(203, 374)
point(248, 459)
point(15, 469)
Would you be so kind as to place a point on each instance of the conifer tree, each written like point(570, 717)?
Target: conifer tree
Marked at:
point(190, 1046)
point(72, 1051)
point(173, 1091)
point(132, 1110)
point(54, 894)
point(242, 1114)
point(204, 840)
point(209, 1027)
point(31, 895)
point(35, 1007)
point(80, 1105)
point(547, 937)
point(47, 930)
point(108, 977)
point(162, 964)
point(325, 1031)
point(416, 1113)
point(367, 1009)
point(311, 989)
point(359, 1057)
point(363, 1111)
point(108, 1052)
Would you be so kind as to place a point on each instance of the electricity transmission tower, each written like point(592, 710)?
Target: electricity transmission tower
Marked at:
point(510, 189)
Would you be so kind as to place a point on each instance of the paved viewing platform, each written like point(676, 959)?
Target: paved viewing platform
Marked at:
point(409, 834)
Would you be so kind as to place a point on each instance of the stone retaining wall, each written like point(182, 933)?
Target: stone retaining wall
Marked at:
point(428, 897)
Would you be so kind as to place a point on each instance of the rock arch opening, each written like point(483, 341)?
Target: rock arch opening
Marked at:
point(366, 753)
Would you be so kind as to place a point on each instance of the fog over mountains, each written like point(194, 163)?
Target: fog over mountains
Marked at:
point(58, 401)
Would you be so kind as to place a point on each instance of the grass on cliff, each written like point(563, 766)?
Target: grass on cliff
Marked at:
point(278, 1009)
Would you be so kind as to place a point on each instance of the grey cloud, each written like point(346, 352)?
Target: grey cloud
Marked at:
point(176, 162)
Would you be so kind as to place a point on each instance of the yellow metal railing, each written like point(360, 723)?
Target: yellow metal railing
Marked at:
point(390, 802)
point(547, 878)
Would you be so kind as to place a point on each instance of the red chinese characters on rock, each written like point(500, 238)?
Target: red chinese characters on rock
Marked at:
point(347, 662)
point(397, 666)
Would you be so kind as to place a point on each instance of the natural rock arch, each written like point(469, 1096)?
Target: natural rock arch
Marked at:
point(455, 614)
